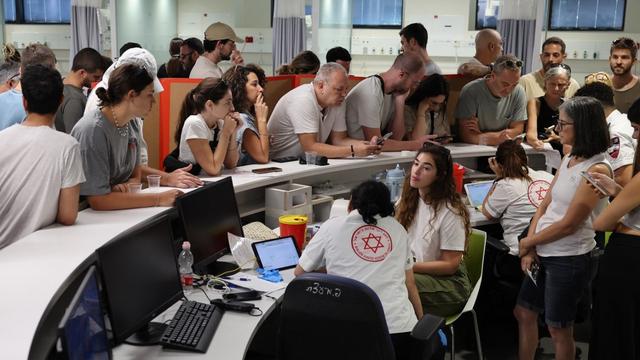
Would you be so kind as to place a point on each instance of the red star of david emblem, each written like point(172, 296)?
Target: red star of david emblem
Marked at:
point(541, 192)
point(376, 246)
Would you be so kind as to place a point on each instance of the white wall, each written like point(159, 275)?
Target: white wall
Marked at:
point(57, 37)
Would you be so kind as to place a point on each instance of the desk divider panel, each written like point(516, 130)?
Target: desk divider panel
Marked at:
point(456, 83)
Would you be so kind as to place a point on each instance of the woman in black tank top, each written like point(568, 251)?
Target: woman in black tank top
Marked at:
point(543, 111)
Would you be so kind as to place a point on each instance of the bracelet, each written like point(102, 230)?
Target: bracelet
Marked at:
point(353, 153)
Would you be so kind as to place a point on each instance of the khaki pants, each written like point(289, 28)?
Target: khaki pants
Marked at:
point(444, 295)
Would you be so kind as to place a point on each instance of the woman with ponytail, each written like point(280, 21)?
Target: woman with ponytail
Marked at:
point(110, 146)
point(516, 193)
point(206, 129)
point(438, 225)
point(370, 246)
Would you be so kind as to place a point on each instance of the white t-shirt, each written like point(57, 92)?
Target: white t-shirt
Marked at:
point(514, 202)
point(567, 182)
point(428, 238)
point(204, 68)
point(377, 256)
point(368, 106)
point(298, 112)
point(37, 162)
point(194, 127)
point(623, 145)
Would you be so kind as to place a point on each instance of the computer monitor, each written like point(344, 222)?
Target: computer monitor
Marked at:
point(207, 215)
point(140, 275)
point(82, 332)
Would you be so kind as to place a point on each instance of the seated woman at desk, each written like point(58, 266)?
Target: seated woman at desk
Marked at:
point(247, 90)
point(438, 225)
point(207, 127)
point(340, 246)
point(424, 110)
point(561, 235)
point(543, 111)
point(514, 198)
point(109, 145)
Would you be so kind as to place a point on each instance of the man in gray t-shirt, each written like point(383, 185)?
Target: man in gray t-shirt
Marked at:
point(493, 109)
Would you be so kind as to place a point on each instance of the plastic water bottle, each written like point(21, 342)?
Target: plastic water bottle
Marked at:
point(395, 179)
point(185, 263)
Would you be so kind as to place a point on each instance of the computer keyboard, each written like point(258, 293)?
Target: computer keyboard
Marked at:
point(192, 327)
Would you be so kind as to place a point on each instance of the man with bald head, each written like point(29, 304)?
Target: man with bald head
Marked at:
point(311, 117)
point(488, 48)
point(371, 104)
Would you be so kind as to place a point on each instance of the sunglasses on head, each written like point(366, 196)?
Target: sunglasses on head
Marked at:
point(511, 64)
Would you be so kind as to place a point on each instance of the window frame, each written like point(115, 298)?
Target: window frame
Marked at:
point(550, 28)
point(477, 25)
point(380, 26)
point(20, 18)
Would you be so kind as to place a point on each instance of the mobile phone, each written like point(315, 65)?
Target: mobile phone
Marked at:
point(285, 159)
point(266, 170)
point(593, 182)
point(381, 140)
point(243, 296)
point(443, 138)
point(533, 272)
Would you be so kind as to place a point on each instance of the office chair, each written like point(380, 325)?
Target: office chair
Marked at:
point(332, 317)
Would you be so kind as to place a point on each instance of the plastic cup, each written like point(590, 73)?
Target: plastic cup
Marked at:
point(311, 157)
point(154, 182)
point(134, 187)
point(294, 225)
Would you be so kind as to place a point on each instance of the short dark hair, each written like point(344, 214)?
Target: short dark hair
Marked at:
point(591, 132)
point(555, 41)
point(599, 91)
point(122, 80)
point(416, 31)
point(371, 198)
point(174, 46)
point(408, 62)
point(634, 112)
point(42, 89)
point(194, 44)
point(37, 54)
point(338, 53)
point(89, 60)
point(626, 44)
point(129, 45)
point(210, 45)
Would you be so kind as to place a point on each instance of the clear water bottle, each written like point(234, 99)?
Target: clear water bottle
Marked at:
point(185, 264)
point(395, 179)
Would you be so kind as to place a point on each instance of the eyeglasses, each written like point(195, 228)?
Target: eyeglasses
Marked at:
point(512, 64)
point(184, 56)
point(562, 124)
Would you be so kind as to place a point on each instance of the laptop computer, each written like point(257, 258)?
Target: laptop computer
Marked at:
point(477, 191)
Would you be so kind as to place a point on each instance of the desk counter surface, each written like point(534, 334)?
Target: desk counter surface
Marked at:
point(35, 270)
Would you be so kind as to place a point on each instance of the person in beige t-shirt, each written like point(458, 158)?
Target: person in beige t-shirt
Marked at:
point(626, 87)
point(553, 52)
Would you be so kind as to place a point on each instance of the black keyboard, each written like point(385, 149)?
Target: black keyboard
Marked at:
point(192, 327)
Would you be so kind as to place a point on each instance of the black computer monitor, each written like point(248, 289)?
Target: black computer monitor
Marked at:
point(207, 215)
point(140, 275)
point(82, 332)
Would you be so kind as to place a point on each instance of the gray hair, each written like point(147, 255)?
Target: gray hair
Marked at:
point(8, 69)
point(326, 70)
point(557, 71)
point(507, 62)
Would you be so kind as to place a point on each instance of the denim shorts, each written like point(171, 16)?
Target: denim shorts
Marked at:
point(562, 281)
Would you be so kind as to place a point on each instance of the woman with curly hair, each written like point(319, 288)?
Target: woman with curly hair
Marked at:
point(247, 87)
point(438, 225)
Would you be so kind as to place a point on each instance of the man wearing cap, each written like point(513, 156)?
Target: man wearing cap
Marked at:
point(219, 44)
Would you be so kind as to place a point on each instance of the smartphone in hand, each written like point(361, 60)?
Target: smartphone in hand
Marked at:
point(381, 140)
point(591, 180)
point(443, 138)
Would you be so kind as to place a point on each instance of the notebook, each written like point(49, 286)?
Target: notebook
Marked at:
point(281, 253)
point(477, 191)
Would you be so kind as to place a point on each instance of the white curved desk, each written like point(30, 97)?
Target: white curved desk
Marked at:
point(36, 270)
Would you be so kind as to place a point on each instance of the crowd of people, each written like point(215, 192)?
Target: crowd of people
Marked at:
point(74, 147)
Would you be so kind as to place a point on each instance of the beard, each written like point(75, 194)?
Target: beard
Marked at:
point(620, 70)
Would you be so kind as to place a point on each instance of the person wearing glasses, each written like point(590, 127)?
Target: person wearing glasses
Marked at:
point(626, 87)
point(190, 50)
point(247, 90)
point(9, 75)
point(623, 146)
point(206, 131)
point(372, 102)
point(543, 110)
point(493, 109)
point(553, 53)
point(424, 109)
point(219, 44)
point(561, 235)
point(311, 117)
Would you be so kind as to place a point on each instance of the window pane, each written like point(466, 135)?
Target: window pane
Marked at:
point(47, 11)
point(9, 10)
point(487, 14)
point(377, 13)
point(587, 14)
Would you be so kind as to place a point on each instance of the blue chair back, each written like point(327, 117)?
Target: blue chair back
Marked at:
point(331, 317)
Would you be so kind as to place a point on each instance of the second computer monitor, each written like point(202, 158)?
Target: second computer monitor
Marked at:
point(208, 214)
